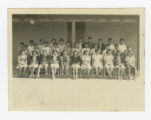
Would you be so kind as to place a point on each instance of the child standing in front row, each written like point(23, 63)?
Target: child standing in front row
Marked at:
point(22, 63)
point(97, 61)
point(75, 62)
point(44, 60)
point(86, 59)
point(64, 63)
point(34, 63)
point(130, 63)
point(108, 59)
point(119, 64)
point(54, 61)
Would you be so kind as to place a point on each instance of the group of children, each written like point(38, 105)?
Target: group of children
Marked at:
point(85, 56)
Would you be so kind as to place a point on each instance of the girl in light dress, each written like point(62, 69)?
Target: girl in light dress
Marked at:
point(97, 62)
point(75, 63)
point(108, 59)
point(119, 64)
point(86, 66)
point(34, 63)
point(54, 63)
point(22, 63)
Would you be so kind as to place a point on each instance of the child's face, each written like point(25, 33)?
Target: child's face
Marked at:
point(86, 45)
point(90, 39)
point(129, 48)
point(68, 44)
point(96, 46)
point(44, 53)
point(80, 40)
point(121, 42)
point(100, 41)
point(87, 53)
point(65, 53)
point(41, 42)
point(110, 41)
point(22, 45)
point(34, 53)
point(31, 43)
point(46, 44)
point(23, 53)
point(75, 53)
point(53, 41)
point(109, 52)
point(61, 42)
point(116, 46)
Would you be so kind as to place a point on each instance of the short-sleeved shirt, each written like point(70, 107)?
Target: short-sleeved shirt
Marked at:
point(108, 59)
point(122, 48)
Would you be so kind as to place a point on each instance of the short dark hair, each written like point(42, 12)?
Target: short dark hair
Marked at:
point(45, 41)
point(109, 39)
point(61, 39)
point(21, 43)
point(31, 41)
point(41, 39)
point(53, 39)
point(81, 38)
point(100, 39)
point(89, 37)
point(121, 39)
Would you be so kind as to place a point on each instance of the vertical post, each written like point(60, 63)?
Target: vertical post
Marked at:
point(73, 33)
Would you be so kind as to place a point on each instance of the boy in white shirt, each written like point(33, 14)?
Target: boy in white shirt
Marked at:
point(122, 46)
point(111, 45)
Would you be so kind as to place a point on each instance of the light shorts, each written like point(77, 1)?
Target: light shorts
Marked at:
point(76, 66)
point(86, 66)
point(21, 66)
point(109, 66)
point(97, 65)
point(33, 65)
point(43, 65)
point(54, 65)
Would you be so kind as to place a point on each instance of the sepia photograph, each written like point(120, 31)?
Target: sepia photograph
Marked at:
point(76, 59)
